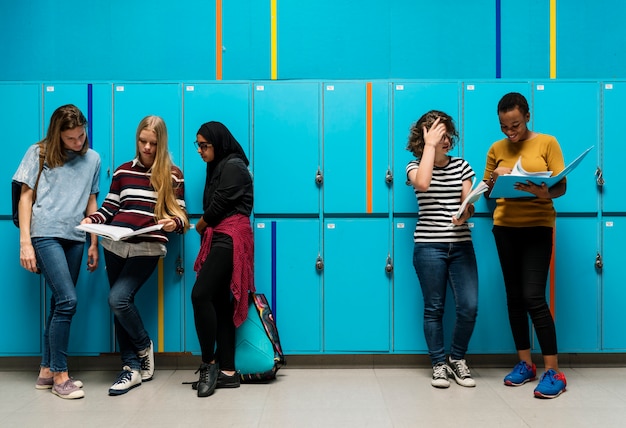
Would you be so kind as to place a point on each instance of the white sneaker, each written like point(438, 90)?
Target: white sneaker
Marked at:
point(440, 376)
point(147, 363)
point(126, 380)
point(460, 372)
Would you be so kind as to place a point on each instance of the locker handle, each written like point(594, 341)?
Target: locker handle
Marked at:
point(599, 264)
point(319, 178)
point(388, 265)
point(599, 177)
point(388, 177)
point(319, 263)
point(180, 270)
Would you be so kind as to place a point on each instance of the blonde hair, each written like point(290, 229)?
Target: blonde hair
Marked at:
point(161, 176)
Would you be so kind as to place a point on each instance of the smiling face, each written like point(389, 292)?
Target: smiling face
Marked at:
point(514, 124)
point(74, 139)
point(147, 147)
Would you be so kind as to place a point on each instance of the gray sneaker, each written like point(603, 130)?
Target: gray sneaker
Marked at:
point(460, 372)
point(68, 390)
point(126, 380)
point(440, 376)
point(48, 382)
point(147, 363)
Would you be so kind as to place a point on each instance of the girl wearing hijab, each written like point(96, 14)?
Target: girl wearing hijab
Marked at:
point(224, 265)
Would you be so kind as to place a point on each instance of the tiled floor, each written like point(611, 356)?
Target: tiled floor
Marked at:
point(596, 397)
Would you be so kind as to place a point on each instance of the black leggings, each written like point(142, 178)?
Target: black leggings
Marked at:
point(525, 254)
point(213, 309)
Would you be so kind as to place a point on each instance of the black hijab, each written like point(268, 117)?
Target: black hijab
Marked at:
point(224, 144)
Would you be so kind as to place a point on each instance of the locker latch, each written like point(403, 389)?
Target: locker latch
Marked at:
point(388, 177)
point(180, 270)
point(319, 178)
point(599, 177)
point(319, 263)
point(388, 264)
point(599, 263)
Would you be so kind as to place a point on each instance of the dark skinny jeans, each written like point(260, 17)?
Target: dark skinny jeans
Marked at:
point(525, 254)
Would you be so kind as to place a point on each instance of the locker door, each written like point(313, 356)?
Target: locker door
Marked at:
point(356, 153)
point(410, 102)
point(577, 291)
point(286, 148)
point(160, 300)
point(356, 285)
point(614, 97)
point(481, 127)
point(20, 119)
point(556, 106)
point(613, 291)
point(92, 324)
point(408, 301)
point(286, 252)
point(228, 103)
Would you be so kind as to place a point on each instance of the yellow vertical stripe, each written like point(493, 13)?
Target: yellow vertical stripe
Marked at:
point(368, 148)
point(161, 305)
point(274, 39)
point(552, 39)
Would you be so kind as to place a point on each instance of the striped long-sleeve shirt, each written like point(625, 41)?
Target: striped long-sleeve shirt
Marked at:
point(438, 204)
point(131, 200)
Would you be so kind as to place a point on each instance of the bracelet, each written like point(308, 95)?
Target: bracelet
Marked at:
point(491, 177)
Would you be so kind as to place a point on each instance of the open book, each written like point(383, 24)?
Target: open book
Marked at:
point(116, 233)
point(504, 186)
point(472, 197)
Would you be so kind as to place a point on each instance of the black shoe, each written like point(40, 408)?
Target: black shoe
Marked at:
point(208, 379)
point(226, 381)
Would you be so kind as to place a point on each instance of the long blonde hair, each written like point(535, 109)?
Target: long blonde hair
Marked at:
point(161, 177)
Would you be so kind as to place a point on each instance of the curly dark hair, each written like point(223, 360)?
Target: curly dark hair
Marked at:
point(416, 135)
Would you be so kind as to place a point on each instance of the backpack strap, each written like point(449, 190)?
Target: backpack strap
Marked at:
point(42, 159)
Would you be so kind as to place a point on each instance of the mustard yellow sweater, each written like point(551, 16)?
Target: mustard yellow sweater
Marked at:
point(539, 153)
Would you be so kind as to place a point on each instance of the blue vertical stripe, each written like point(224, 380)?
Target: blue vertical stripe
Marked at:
point(498, 40)
point(274, 269)
point(90, 114)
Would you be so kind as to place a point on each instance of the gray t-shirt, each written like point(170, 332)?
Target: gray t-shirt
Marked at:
point(62, 192)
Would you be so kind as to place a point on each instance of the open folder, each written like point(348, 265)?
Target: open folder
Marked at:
point(504, 186)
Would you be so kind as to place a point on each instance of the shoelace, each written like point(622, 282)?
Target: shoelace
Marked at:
point(204, 374)
point(145, 363)
point(439, 371)
point(462, 368)
point(124, 377)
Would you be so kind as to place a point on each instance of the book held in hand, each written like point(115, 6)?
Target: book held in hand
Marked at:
point(504, 186)
point(116, 233)
point(472, 197)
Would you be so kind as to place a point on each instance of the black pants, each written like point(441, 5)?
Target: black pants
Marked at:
point(213, 309)
point(525, 254)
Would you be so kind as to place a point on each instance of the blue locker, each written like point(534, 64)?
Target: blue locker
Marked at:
point(191, 247)
point(23, 292)
point(410, 101)
point(556, 106)
point(228, 103)
point(20, 117)
point(357, 288)
point(134, 101)
point(350, 159)
point(613, 290)
point(481, 127)
point(613, 97)
point(131, 103)
point(286, 148)
point(91, 326)
point(577, 292)
point(286, 270)
point(408, 301)
point(492, 333)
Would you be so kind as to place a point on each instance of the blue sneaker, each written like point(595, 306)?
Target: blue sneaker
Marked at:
point(521, 374)
point(551, 385)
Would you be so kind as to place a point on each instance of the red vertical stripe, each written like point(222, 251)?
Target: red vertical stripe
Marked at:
point(368, 147)
point(218, 39)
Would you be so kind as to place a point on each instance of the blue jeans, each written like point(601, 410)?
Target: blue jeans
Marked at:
point(126, 277)
point(59, 260)
point(436, 265)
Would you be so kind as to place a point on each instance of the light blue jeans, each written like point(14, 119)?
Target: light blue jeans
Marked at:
point(59, 260)
point(436, 265)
